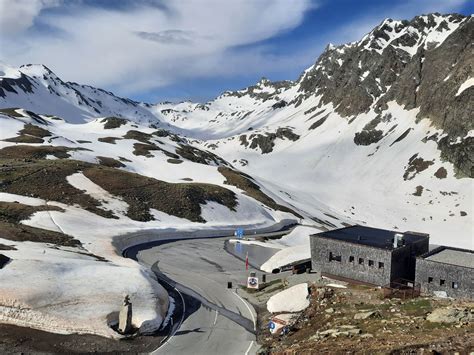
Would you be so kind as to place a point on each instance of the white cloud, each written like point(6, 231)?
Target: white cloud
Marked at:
point(18, 15)
point(148, 46)
point(145, 47)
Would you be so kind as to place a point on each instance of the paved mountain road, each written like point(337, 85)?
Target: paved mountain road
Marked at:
point(209, 318)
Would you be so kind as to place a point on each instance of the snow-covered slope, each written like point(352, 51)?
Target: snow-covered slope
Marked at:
point(376, 132)
point(38, 89)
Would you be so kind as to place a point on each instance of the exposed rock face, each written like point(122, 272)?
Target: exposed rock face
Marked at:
point(451, 315)
point(266, 142)
point(402, 61)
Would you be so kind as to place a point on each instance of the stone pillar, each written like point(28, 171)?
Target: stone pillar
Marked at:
point(125, 316)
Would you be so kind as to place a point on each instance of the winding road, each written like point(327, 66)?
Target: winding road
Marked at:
point(209, 317)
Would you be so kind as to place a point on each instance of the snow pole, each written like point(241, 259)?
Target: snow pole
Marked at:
point(247, 261)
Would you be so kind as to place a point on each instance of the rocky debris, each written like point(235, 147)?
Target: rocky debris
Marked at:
point(199, 156)
point(319, 122)
point(441, 173)
point(279, 104)
point(125, 316)
point(418, 191)
point(416, 165)
point(461, 154)
point(367, 315)
point(267, 142)
point(451, 315)
point(369, 135)
point(340, 331)
point(113, 122)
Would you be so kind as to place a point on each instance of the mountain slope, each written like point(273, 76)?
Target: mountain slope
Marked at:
point(38, 89)
point(378, 129)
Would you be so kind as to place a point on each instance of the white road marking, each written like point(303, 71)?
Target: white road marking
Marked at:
point(250, 310)
point(250, 347)
point(215, 319)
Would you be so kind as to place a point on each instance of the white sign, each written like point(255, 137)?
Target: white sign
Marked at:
point(252, 282)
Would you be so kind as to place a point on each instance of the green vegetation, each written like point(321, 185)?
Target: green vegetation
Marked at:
point(110, 140)
point(199, 156)
point(114, 122)
point(245, 183)
point(417, 307)
point(110, 162)
point(11, 112)
point(30, 134)
point(142, 193)
point(11, 213)
point(46, 179)
point(32, 152)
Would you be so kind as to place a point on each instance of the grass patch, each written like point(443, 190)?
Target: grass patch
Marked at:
point(144, 149)
point(30, 134)
point(110, 140)
point(199, 156)
point(138, 136)
point(12, 213)
point(114, 122)
point(110, 162)
point(142, 193)
point(25, 139)
point(245, 183)
point(46, 179)
point(417, 307)
point(11, 112)
point(31, 152)
point(174, 161)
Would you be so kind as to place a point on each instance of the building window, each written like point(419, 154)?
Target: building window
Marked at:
point(442, 282)
point(454, 285)
point(361, 261)
point(371, 263)
point(430, 280)
point(333, 257)
point(351, 259)
point(381, 265)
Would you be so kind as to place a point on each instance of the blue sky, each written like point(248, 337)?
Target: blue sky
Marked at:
point(156, 50)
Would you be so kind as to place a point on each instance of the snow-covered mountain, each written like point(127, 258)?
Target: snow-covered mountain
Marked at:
point(379, 129)
point(376, 132)
point(38, 89)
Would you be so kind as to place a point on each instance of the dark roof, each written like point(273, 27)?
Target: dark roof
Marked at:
point(450, 255)
point(373, 237)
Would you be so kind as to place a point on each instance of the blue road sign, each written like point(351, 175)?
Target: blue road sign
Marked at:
point(271, 325)
point(239, 232)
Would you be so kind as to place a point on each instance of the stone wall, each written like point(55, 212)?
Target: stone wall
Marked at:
point(430, 273)
point(375, 273)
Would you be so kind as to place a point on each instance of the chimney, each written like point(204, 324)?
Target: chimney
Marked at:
point(397, 240)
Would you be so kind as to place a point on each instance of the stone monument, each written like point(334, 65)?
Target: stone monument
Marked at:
point(125, 316)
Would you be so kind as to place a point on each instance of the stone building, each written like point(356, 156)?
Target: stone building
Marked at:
point(446, 271)
point(368, 255)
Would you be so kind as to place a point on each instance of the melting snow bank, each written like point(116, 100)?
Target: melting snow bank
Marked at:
point(56, 289)
point(294, 247)
point(294, 299)
point(72, 290)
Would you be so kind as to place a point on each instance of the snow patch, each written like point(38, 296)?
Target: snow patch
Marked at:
point(293, 299)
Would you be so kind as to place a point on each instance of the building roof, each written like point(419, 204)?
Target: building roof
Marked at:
point(453, 256)
point(373, 237)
